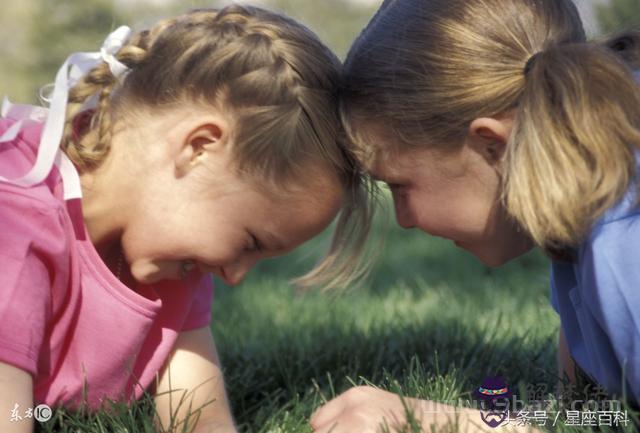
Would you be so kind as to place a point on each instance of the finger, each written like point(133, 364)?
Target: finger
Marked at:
point(330, 427)
point(344, 426)
point(328, 412)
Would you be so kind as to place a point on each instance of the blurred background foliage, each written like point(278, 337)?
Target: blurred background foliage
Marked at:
point(619, 14)
point(39, 34)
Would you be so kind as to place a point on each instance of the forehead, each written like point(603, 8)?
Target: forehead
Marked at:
point(397, 166)
point(396, 162)
point(380, 151)
point(309, 183)
point(302, 213)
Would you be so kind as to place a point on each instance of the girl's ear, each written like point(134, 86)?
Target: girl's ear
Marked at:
point(489, 136)
point(201, 142)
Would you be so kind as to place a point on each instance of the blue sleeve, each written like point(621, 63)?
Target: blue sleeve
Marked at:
point(610, 286)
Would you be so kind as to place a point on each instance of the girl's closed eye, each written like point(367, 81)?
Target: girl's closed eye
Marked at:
point(398, 188)
point(254, 244)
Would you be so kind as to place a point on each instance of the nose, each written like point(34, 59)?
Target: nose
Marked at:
point(404, 216)
point(235, 273)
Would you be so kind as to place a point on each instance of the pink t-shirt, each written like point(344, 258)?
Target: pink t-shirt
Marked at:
point(64, 316)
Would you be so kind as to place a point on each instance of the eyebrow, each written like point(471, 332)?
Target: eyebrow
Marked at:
point(378, 177)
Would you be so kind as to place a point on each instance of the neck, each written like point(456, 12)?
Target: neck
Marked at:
point(103, 208)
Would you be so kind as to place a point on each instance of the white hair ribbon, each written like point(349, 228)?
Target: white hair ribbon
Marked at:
point(49, 153)
point(114, 42)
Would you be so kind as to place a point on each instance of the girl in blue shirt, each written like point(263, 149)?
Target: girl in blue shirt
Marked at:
point(498, 126)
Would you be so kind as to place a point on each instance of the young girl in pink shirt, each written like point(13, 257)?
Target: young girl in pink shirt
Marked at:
point(199, 146)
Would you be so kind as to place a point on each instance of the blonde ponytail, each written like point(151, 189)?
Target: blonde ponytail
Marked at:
point(571, 154)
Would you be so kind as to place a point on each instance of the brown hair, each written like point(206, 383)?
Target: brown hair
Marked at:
point(278, 81)
point(427, 69)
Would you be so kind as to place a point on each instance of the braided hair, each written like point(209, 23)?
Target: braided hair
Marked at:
point(277, 81)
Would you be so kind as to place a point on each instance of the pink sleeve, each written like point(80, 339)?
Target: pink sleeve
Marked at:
point(200, 314)
point(32, 249)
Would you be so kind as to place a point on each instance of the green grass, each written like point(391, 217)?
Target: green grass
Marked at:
point(430, 322)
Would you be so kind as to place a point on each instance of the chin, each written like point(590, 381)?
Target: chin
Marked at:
point(148, 272)
point(144, 278)
point(495, 257)
point(148, 279)
point(494, 262)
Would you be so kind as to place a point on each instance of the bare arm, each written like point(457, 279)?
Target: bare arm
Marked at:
point(193, 373)
point(365, 409)
point(16, 387)
point(565, 361)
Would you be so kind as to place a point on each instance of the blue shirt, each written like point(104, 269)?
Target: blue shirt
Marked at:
point(598, 299)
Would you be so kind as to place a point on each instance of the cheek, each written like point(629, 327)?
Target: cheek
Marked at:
point(500, 241)
point(183, 237)
point(455, 215)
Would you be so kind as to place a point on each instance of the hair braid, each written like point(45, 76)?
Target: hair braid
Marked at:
point(88, 150)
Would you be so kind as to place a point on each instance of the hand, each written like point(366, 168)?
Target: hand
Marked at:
point(362, 409)
point(365, 409)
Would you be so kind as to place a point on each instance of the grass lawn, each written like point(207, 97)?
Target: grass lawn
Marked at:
point(431, 321)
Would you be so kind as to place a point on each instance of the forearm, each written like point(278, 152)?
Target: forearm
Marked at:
point(213, 426)
point(206, 407)
point(16, 396)
point(459, 419)
point(215, 416)
point(191, 389)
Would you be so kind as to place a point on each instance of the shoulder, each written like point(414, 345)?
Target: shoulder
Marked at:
point(16, 159)
point(609, 258)
point(613, 245)
point(608, 264)
point(607, 279)
point(34, 211)
point(28, 214)
point(627, 207)
point(33, 229)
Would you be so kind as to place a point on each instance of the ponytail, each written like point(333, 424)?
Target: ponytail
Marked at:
point(571, 153)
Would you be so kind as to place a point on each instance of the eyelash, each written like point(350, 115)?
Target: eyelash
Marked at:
point(394, 187)
point(255, 244)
